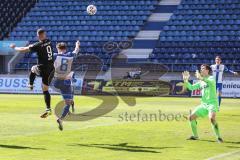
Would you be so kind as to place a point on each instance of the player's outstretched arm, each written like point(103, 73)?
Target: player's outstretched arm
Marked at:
point(198, 75)
point(20, 49)
point(235, 73)
point(186, 76)
point(188, 85)
point(230, 71)
point(77, 47)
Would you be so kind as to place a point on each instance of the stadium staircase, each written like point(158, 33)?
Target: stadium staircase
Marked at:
point(198, 31)
point(146, 39)
point(67, 20)
point(182, 36)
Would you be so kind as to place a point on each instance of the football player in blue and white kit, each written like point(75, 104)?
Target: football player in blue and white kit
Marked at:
point(218, 69)
point(63, 76)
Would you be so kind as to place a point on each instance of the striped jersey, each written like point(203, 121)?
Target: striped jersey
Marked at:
point(63, 65)
point(218, 71)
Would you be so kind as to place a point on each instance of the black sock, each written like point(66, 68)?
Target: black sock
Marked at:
point(32, 77)
point(47, 99)
point(72, 103)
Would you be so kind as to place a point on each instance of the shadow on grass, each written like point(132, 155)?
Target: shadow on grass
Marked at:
point(229, 142)
point(235, 115)
point(125, 147)
point(19, 147)
point(232, 146)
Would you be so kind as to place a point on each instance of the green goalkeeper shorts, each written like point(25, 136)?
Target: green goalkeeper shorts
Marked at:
point(204, 109)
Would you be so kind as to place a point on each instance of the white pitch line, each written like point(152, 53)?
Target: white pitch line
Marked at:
point(224, 155)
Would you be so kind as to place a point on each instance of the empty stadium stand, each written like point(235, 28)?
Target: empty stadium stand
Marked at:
point(12, 11)
point(67, 20)
point(197, 32)
point(186, 35)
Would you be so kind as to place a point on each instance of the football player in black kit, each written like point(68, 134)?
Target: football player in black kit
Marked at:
point(44, 68)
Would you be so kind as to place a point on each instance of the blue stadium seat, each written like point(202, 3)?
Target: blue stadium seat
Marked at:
point(198, 31)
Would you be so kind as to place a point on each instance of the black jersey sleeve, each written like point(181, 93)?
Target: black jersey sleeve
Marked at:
point(34, 47)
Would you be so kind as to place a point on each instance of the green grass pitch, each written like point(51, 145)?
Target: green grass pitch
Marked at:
point(23, 135)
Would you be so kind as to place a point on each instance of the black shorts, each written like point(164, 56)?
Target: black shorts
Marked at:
point(44, 71)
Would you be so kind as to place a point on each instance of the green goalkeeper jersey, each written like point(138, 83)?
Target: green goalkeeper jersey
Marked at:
point(208, 89)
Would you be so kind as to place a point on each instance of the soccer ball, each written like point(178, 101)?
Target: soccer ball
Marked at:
point(91, 10)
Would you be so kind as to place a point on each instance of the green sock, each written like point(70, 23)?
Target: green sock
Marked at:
point(216, 130)
point(193, 124)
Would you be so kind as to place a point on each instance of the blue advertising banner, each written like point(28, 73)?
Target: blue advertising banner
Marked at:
point(19, 85)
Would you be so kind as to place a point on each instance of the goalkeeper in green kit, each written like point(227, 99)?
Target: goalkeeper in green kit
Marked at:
point(209, 102)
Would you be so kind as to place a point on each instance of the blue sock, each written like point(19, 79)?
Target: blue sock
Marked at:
point(65, 111)
point(219, 100)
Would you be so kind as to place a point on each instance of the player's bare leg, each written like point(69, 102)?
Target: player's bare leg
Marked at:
point(65, 112)
point(193, 124)
point(219, 93)
point(212, 118)
point(47, 98)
